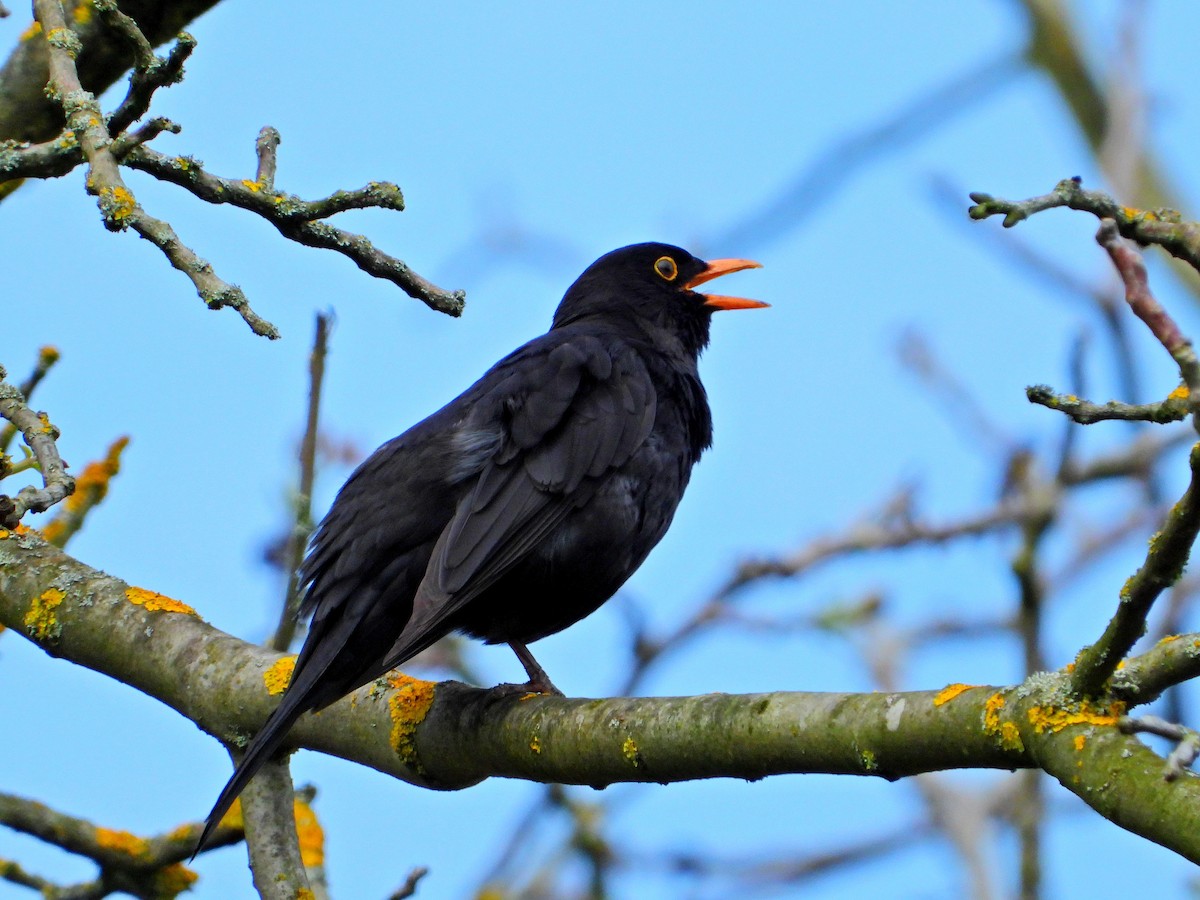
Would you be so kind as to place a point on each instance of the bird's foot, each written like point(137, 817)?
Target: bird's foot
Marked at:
point(529, 688)
point(539, 682)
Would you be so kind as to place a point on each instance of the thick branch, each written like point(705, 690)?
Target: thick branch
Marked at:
point(271, 834)
point(450, 736)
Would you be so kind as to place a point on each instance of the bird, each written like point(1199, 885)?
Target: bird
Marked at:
point(523, 504)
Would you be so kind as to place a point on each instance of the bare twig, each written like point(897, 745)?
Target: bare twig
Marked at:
point(47, 357)
point(1164, 563)
point(90, 489)
point(40, 436)
point(302, 520)
point(150, 72)
point(117, 203)
point(297, 219)
point(1165, 228)
point(409, 888)
point(148, 132)
point(1186, 750)
point(265, 147)
point(1172, 409)
point(1132, 270)
point(143, 867)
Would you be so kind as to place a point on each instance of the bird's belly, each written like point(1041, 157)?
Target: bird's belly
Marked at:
point(584, 563)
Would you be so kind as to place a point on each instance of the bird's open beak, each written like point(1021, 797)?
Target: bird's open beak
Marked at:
point(715, 269)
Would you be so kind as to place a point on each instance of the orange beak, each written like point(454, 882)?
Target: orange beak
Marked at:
point(715, 269)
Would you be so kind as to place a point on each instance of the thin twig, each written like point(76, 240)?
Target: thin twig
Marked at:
point(1129, 266)
point(1173, 409)
point(302, 520)
point(265, 147)
point(1165, 561)
point(40, 437)
point(47, 357)
point(117, 203)
point(1180, 759)
point(409, 888)
point(298, 220)
point(1163, 227)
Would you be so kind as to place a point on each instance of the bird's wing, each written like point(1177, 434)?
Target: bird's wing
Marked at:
point(566, 416)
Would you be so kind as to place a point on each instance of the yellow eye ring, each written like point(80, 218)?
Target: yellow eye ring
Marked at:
point(666, 268)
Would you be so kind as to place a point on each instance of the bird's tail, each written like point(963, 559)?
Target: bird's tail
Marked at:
point(260, 749)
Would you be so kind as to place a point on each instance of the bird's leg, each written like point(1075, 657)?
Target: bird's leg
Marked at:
point(539, 682)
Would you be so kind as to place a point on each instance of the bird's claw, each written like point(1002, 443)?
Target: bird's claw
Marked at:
point(528, 689)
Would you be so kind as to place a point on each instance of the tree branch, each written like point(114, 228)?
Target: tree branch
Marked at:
point(1165, 561)
point(1163, 227)
point(118, 206)
point(40, 436)
point(298, 220)
point(451, 736)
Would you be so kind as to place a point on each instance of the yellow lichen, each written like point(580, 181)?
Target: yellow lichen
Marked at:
point(309, 834)
point(82, 14)
point(173, 880)
point(949, 692)
point(1080, 740)
point(56, 36)
point(155, 602)
point(1169, 638)
point(122, 841)
point(252, 186)
point(629, 749)
point(279, 675)
point(40, 622)
point(118, 203)
point(535, 744)
point(32, 31)
point(49, 354)
point(180, 833)
point(305, 894)
point(410, 701)
point(1005, 731)
point(1055, 719)
point(233, 818)
point(91, 486)
point(1180, 393)
point(46, 427)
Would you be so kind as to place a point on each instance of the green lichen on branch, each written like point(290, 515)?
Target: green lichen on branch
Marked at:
point(1174, 408)
point(1164, 227)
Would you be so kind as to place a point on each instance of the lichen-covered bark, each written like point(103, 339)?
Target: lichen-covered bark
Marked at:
point(450, 736)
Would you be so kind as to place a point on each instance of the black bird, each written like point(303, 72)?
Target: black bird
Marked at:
point(522, 505)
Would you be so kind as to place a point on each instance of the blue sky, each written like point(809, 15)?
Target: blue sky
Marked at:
point(529, 139)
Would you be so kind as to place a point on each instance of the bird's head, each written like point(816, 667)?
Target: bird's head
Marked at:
point(653, 284)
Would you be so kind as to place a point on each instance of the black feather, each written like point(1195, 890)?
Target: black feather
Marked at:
point(519, 507)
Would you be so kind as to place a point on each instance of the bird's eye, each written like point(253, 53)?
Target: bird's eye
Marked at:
point(666, 268)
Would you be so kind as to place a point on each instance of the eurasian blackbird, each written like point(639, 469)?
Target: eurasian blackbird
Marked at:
point(522, 505)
